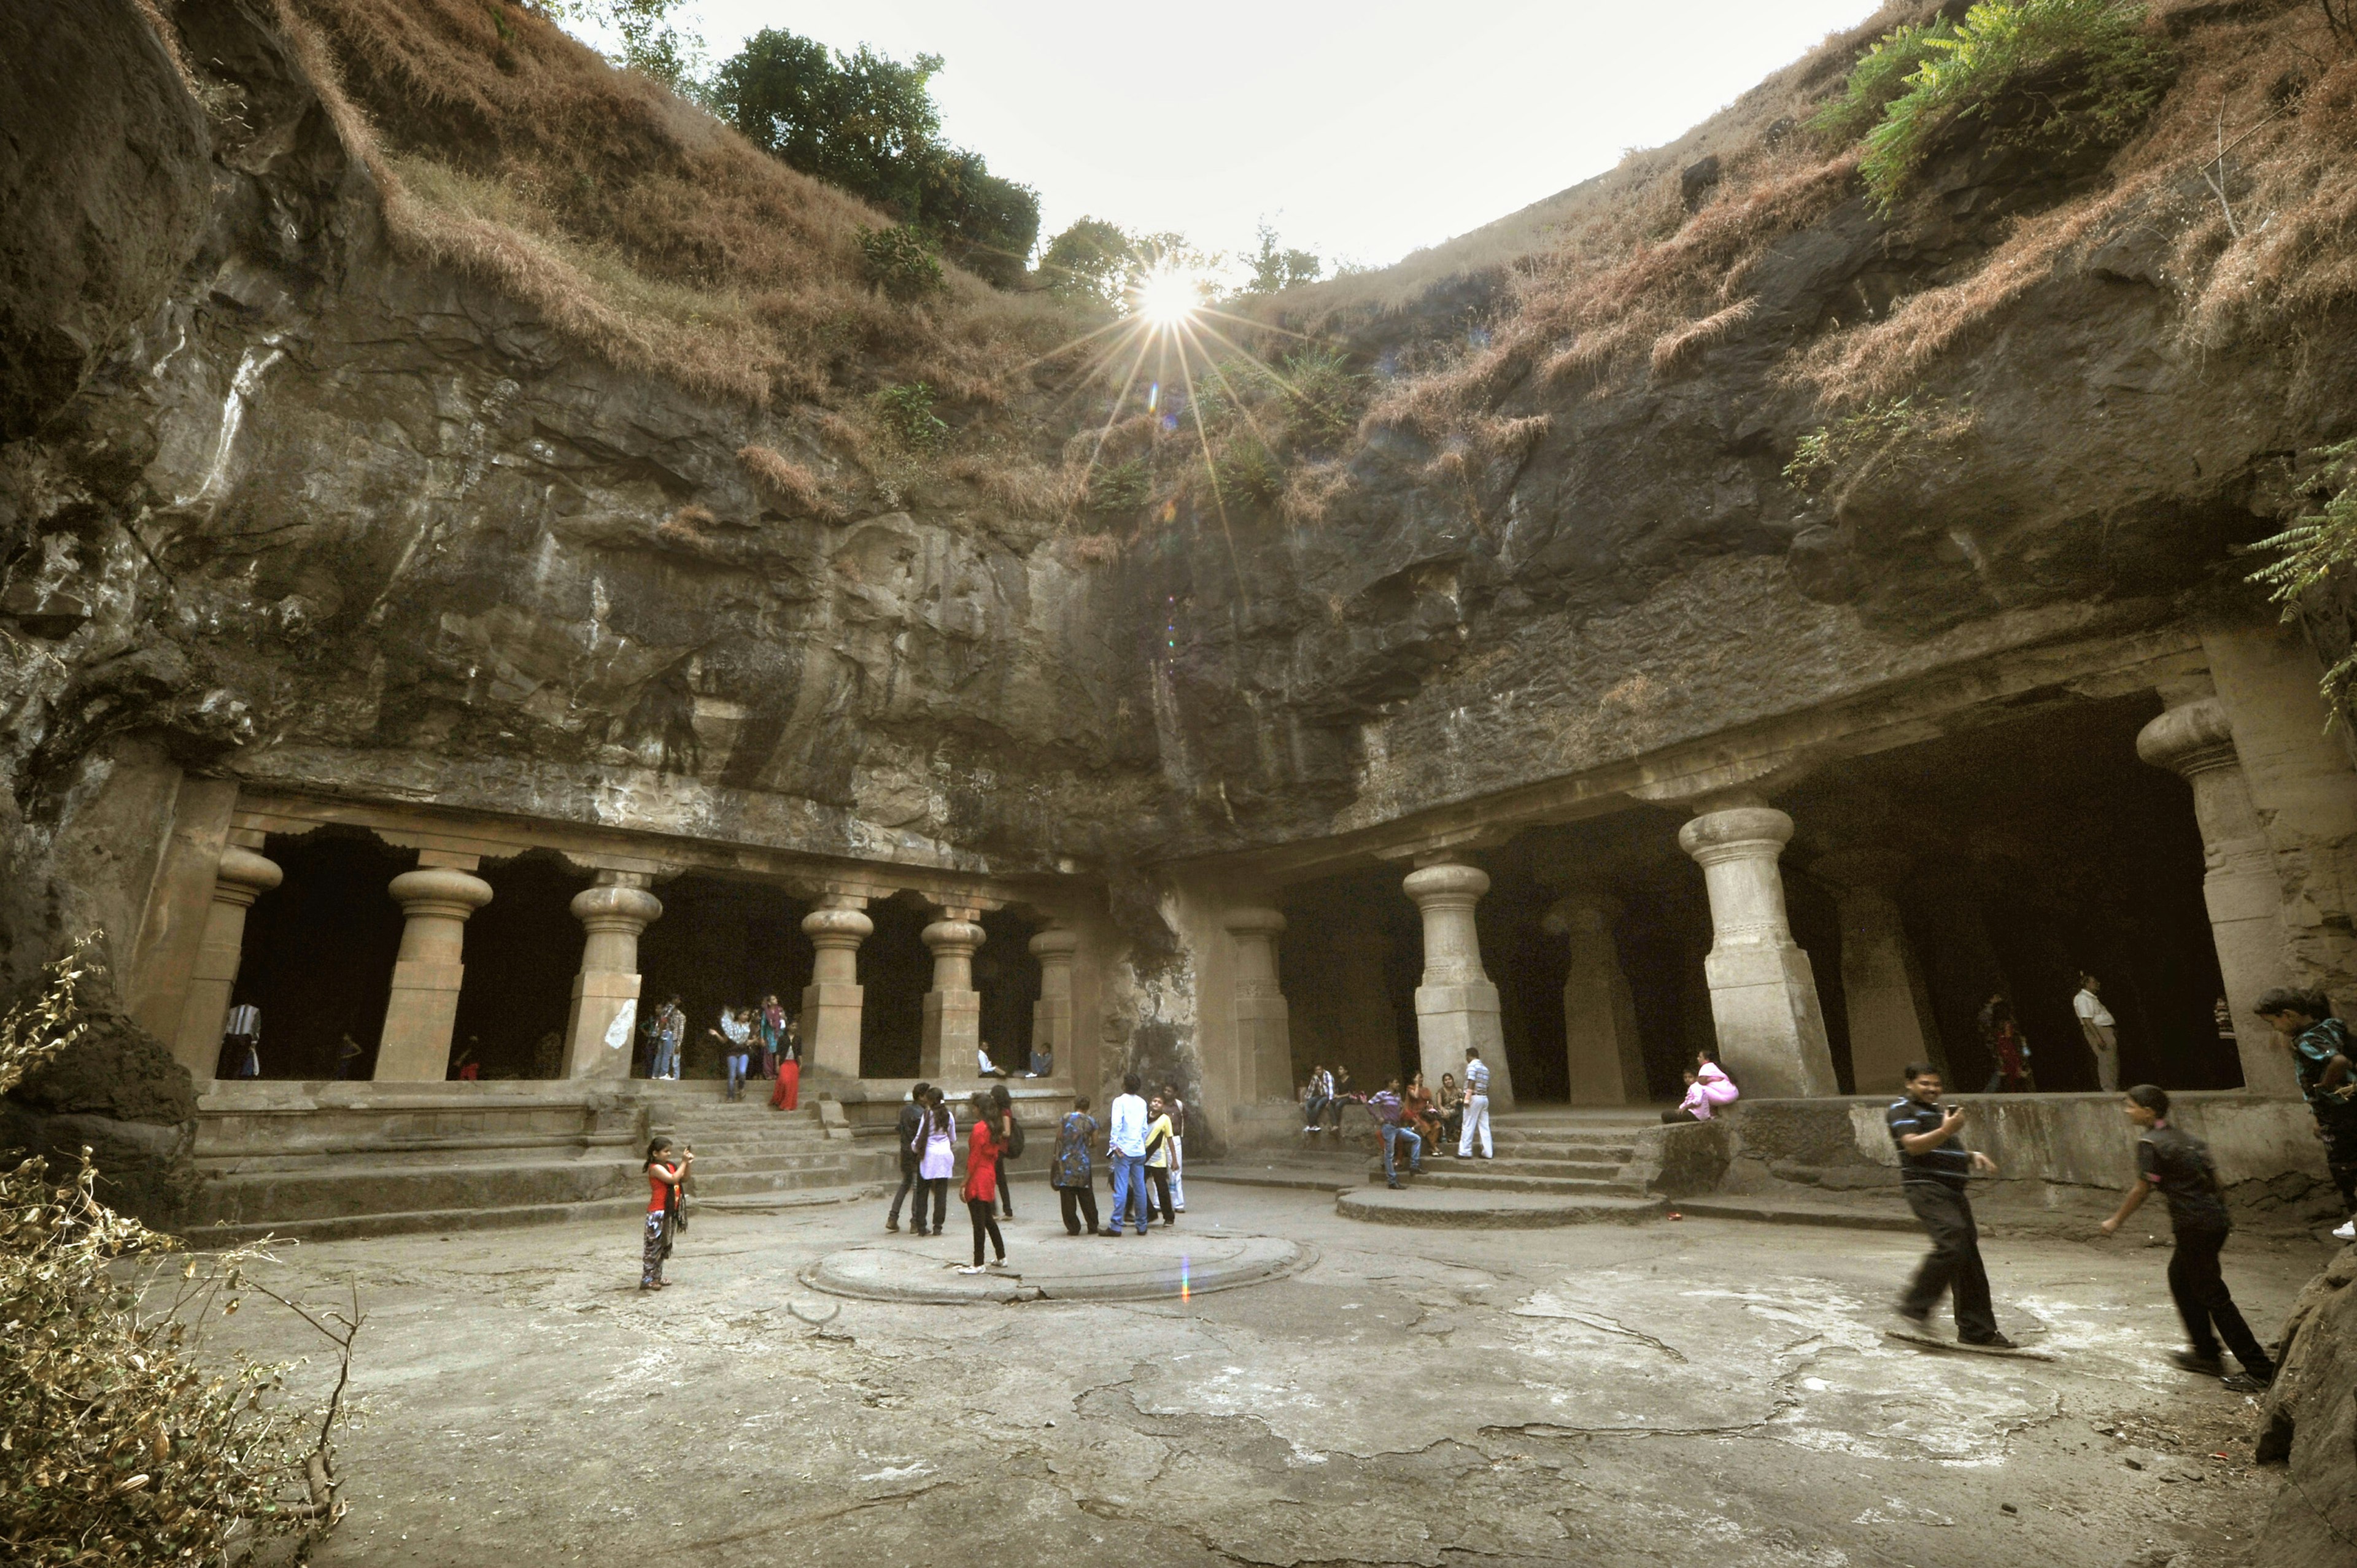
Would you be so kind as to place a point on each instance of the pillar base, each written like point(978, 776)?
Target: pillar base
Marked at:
point(952, 1032)
point(830, 1013)
point(1450, 1018)
point(418, 1023)
point(602, 1029)
point(1771, 1031)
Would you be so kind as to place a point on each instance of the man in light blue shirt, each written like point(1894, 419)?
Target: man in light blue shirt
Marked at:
point(1125, 1143)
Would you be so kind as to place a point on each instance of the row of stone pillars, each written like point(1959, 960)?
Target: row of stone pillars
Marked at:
point(437, 897)
point(1765, 1010)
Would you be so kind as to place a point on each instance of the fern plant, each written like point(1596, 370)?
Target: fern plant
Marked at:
point(2086, 69)
point(2319, 551)
point(907, 411)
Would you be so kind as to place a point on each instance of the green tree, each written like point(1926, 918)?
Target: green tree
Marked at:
point(1090, 260)
point(1276, 266)
point(868, 124)
point(650, 43)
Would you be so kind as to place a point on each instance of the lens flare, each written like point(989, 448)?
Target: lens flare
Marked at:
point(1167, 297)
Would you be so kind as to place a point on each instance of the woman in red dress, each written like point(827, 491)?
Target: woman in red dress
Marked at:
point(981, 1190)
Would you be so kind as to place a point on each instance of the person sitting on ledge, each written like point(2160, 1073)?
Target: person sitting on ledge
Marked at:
point(1043, 1062)
point(1707, 1088)
point(983, 1065)
point(1315, 1095)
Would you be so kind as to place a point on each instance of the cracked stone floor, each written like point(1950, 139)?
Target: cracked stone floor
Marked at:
point(1675, 1393)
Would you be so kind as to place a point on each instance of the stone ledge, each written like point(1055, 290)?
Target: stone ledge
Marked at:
point(1474, 1208)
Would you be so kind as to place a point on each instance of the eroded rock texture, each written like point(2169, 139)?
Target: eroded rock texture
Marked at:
point(291, 506)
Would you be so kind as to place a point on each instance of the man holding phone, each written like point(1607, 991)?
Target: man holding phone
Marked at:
point(1935, 1166)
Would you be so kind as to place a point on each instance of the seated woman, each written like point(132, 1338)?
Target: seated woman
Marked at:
point(1450, 1104)
point(1417, 1109)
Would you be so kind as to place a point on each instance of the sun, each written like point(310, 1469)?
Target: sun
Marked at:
point(1167, 297)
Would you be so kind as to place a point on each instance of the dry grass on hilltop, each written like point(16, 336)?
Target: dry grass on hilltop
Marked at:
point(641, 228)
point(1614, 279)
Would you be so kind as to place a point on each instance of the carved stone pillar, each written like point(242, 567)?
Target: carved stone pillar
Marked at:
point(437, 899)
point(604, 1020)
point(1603, 1059)
point(1264, 1023)
point(2240, 886)
point(1763, 994)
point(1892, 1024)
point(1456, 1007)
point(833, 1001)
point(241, 877)
point(953, 1027)
point(1051, 1016)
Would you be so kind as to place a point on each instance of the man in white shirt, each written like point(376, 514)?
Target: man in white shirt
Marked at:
point(2102, 1040)
point(1126, 1143)
point(1476, 1106)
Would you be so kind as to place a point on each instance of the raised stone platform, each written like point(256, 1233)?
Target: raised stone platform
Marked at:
point(1162, 1265)
point(1486, 1210)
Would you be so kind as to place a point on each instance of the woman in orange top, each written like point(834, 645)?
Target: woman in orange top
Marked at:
point(981, 1190)
point(664, 1174)
point(1416, 1107)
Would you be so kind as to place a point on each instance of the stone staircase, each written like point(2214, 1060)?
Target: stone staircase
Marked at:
point(1551, 1167)
point(461, 1170)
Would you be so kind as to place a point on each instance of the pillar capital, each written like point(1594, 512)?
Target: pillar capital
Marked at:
point(440, 891)
point(947, 938)
point(837, 929)
point(1736, 833)
point(1582, 910)
point(1449, 885)
point(629, 910)
point(1055, 945)
point(1253, 921)
point(243, 877)
point(2194, 737)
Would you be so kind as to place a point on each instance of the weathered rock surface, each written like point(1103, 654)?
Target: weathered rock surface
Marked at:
point(118, 1093)
point(307, 512)
point(2308, 1422)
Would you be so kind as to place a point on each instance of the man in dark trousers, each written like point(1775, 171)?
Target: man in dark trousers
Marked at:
point(1935, 1166)
point(912, 1116)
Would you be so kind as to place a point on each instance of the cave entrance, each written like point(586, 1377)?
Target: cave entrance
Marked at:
point(2036, 847)
point(895, 970)
point(320, 950)
point(1007, 976)
point(523, 950)
point(723, 941)
point(1629, 867)
point(1350, 956)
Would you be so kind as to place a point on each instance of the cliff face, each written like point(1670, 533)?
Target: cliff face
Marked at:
point(290, 504)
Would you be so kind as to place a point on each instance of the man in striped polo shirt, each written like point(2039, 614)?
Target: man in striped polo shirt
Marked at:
point(1935, 1166)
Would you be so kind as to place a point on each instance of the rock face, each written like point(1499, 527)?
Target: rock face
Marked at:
point(118, 1093)
point(284, 505)
point(2308, 1422)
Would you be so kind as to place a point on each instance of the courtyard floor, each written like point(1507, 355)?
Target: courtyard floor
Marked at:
point(1704, 1391)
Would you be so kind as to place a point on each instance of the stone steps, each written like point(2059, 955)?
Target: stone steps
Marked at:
point(1565, 1186)
point(1481, 1210)
point(1501, 1166)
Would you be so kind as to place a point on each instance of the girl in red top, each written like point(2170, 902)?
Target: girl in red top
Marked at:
point(981, 1190)
point(664, 1174)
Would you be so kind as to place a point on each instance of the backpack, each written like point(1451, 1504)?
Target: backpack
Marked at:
point(1014, 1136)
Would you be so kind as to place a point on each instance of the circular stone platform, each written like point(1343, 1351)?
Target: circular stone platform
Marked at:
point(1479, 1209)
point(1162, 1265)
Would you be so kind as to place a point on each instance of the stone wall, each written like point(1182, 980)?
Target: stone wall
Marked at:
point(2266, 1150)
point(2307, 1422)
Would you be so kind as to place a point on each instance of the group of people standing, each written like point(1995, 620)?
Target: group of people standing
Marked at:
point(1143, 1144)
point(757, 1040)
point(1425, 1118)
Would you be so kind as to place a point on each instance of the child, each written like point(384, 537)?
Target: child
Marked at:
point(1707, 1088)
point(2179, 1165)
point(664, 1218)
point(981, 1190)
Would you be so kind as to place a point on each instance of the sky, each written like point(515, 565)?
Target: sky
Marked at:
point(1361, 131)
